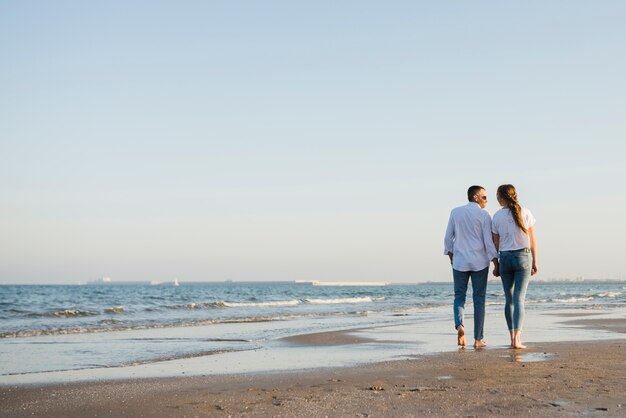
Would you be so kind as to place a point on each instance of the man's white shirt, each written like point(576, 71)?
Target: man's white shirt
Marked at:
point(468, 238)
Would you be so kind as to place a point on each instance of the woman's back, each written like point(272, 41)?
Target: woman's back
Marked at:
point(511, 236)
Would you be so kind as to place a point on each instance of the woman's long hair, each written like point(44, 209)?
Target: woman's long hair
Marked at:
point(507, 193)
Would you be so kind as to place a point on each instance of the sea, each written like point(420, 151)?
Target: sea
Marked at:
point(45, 328)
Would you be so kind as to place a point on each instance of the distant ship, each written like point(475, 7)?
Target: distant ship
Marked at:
point(318, 283)
point(160, 283)
point(106, 281)
point(101, 280)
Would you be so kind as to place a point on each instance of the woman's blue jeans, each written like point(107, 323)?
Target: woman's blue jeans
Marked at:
point(479, 292)
point(515, 269)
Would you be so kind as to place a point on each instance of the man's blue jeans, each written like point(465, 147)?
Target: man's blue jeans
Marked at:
point(479, 286)
point(515, 269)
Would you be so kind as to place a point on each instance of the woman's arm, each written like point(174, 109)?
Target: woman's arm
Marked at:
point(533, 249)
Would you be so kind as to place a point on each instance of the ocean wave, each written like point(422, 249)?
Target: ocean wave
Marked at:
point(273, 303)
point(71, 313)
point(563, 300)
point(64, 331)
point(115, 310)
point(109, 322)
point(292, 302)
point(222, 304)
point(365, 299)
point(609, 294)
point(585, 295)
point(193, 305)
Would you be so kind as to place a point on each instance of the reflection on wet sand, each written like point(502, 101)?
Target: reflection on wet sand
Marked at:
point(524, 357)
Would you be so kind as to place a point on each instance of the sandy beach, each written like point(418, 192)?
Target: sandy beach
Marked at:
point(548, 379)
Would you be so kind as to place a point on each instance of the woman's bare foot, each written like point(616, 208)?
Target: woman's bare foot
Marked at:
point(460, 335)
point(517, 340)
point(480, 343)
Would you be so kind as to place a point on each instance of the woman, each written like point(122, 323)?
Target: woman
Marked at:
point(514, 236)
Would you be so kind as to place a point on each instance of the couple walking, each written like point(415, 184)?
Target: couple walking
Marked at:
point(473, 240)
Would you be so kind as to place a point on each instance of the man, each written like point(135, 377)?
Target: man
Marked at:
point(469, 244)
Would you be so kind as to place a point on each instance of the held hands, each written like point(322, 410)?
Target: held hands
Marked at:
point(496, 268)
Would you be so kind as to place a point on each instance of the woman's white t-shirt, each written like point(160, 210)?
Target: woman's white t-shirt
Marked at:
point(511, 236)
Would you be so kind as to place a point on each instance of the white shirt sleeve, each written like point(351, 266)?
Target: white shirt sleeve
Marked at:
point(448, 241)
point(494, 223)
point(529, 219)
point(488, 239)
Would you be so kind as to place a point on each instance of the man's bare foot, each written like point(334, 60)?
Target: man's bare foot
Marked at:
point(480, 343)
point(460, 335)
point(518, 345)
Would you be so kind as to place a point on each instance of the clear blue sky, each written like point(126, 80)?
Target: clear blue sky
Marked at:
point(284, 140)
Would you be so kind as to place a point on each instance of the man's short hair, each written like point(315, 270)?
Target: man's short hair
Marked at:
point(473, 191)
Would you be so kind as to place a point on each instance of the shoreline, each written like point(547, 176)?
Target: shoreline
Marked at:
point(341, 347)
point(379, 325)
point(574, 366)
point(549, 379)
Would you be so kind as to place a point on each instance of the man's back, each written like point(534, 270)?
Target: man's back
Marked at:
point(468, 238)
point(469, 245)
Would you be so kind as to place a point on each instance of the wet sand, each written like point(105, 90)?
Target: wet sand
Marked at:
point(548, 379)
point(327, 338)
point(612, 325)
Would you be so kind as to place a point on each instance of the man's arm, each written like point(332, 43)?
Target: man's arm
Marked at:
point(448, 240)
point(492, 252)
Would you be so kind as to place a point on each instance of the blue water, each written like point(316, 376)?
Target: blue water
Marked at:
point(115, 324)
point(54, 309)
